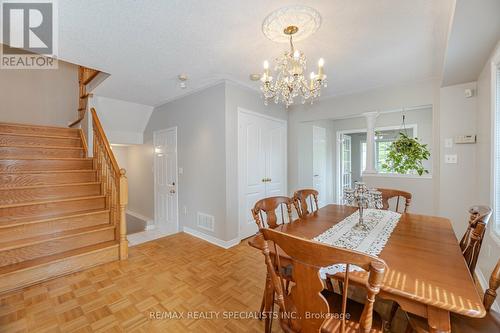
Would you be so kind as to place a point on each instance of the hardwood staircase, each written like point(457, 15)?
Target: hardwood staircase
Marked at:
point(60, 211)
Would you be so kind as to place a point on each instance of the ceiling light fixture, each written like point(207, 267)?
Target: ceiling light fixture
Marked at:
point(290, 68)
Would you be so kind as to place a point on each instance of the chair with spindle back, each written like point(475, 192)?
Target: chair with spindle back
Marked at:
point(264, 214)
point(300, 199)
point(463, 324)
point(269, 206)
point(388, 194)
point(473, 237)
point(309, 306)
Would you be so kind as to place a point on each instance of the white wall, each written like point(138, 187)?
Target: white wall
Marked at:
point(457, 182)
point(348, 106)
point(40, 97)
point(200, 119)
point(124, 122)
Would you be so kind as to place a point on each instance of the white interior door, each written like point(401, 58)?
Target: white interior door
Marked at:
point(262, 164)
point(165, 177)
point(319, 163)
point(275, 152)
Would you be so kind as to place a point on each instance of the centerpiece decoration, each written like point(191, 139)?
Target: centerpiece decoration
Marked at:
point(362, 197)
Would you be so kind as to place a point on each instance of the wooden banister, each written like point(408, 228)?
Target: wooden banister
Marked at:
point(113, 180)
point(85, 76)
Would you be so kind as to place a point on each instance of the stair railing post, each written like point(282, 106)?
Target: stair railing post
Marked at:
point(123, 219)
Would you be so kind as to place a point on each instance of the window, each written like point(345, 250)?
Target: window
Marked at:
point(383, 141)
point(496, 151)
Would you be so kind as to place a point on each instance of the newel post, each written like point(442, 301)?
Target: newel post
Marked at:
point(123, 220)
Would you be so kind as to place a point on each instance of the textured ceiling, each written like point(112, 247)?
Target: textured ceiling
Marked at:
point(144, 45)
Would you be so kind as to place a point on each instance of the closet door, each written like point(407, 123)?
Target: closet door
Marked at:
point(252, 169)
point(262, 164)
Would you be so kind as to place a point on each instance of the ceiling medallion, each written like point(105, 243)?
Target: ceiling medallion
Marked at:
point(289, 70)
point(305, 18)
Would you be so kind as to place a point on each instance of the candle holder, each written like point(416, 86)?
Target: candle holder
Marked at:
point(362, 197)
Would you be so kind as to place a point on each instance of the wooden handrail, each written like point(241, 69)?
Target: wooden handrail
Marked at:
point(85, 76)
point(114, 183)
point(98, 127)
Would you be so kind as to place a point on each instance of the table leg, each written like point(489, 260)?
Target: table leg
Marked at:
point(438, 320)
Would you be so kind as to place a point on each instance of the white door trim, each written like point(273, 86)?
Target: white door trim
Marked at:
point(155, 133)
point(240, 167)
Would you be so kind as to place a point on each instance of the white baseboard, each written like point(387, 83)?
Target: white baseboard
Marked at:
point(211, 239)
point(484, 285)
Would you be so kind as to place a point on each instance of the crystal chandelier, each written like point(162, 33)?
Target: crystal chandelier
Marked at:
point(289, 81)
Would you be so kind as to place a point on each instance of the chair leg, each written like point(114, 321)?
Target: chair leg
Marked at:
point(268, 304)
point(394, 309)
point(262, 304)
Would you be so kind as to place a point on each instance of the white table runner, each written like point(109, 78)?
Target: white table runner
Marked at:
point(380, 225)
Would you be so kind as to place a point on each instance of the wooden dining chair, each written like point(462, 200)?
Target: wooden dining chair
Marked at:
point(473, 237)
point(264, 214)
point(463, 324)
point(300, 199)
point(401, 196)
point(310, 306)
point(268, 207)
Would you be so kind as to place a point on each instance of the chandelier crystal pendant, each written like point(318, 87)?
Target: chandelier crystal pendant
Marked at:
point(290, 81)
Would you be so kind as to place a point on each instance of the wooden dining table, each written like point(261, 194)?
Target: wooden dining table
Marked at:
point(427, 274)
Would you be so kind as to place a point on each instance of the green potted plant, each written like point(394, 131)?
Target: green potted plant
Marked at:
point(406, 155)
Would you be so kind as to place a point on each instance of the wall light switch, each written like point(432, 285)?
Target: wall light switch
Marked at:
point(451, 159)
point(448, 143)
point(181, 171)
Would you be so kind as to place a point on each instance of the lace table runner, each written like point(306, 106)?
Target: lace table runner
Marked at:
point(380, 224)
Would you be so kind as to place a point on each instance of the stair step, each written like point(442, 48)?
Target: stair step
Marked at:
point(53, 164)
point(29, 272)
point(15, 231)
point(39, 130)
point(25, 212)
point(32, 178)
point(14, 139)
point(48, 192)
point(40, 152)
point(13, 252)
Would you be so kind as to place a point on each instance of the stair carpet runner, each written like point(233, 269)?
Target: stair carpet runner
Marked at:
point(54, 218)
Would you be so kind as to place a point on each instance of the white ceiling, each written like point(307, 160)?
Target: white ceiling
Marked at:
point(474, 33)
point(144, 45)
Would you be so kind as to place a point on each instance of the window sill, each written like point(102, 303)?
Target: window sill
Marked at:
point(397, 175)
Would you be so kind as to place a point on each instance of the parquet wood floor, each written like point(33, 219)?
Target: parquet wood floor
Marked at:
point(175, 275)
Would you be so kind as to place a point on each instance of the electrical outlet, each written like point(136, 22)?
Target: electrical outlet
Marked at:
point(451, 159)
